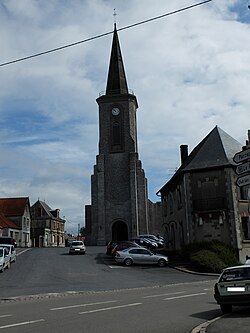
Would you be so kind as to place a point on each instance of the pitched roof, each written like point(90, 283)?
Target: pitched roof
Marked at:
point(6, 223)
point(48, 210)
point(116, 83)
point(13, 206)
point(216, 150)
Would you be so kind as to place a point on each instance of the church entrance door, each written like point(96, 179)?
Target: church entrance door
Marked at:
point(119, 231)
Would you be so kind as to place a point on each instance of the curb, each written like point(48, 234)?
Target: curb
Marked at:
point(185, 270)
point(202, 328)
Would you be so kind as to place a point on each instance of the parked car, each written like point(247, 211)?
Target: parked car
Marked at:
point(233, 288)
point(77, 247)
point(8, 240)
point(12, 251)
point(4, 259)
point(145, 242)
point(159, 242)
point(139, 255)
point(123, 246)
point(112, 244)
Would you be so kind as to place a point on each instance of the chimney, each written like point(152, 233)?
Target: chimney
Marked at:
point(184, 152)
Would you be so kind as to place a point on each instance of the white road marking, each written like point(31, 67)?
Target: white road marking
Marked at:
point(160, 295)
point(18, 254)
point(23, 323)
point(118, 267)
point(7, 315)
point(81, 305)
point(111, 308)
point(183, 296)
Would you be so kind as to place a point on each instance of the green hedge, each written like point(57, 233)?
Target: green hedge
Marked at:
point(210, 256)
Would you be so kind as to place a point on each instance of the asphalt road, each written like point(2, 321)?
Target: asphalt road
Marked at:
point(52, 270)
point(174, 309)
point(92, 294)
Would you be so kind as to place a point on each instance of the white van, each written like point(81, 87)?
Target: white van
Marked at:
point(4, 259)
point(12, 251)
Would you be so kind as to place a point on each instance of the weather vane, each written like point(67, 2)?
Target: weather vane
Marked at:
point(114, 15)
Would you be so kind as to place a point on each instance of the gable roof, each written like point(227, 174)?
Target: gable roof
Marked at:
point(6, 223)
point(13, 206)
point(216, 150)
point(49, 211)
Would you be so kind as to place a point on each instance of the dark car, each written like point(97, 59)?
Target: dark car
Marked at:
point(123, 246)
point(112, 244)
point(233, 288)
point(159, 242)
point(144, 242)
point(8, 240)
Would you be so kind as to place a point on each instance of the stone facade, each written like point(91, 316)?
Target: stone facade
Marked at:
point(119, 198)
point(47, 228)
point(202, 201)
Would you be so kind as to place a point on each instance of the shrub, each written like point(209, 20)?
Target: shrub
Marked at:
point(207, 261)
point(210, 256)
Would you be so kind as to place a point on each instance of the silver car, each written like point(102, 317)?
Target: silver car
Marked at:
point(233, 288)
point(138, 255)
point(77, 247)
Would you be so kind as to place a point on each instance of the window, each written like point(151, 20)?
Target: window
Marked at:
point(245, 227)
point(171, 203)
point(116, 134)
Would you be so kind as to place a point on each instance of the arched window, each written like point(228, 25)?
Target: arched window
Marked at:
point(116, 134)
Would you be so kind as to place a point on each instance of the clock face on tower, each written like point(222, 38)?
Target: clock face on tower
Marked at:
point(115, 111)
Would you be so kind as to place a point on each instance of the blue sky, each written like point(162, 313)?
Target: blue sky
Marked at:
point(189, 71)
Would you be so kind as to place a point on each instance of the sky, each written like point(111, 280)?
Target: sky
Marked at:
point(190, 72)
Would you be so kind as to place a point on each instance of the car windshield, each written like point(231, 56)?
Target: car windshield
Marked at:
point(1, 252)
point(235, 275)
point(77, 243)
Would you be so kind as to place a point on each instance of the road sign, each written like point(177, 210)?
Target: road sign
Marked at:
point(245, 167)
point(243, 180)
point(242, 156)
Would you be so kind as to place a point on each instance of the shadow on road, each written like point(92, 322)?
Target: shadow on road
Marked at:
point(207, 315)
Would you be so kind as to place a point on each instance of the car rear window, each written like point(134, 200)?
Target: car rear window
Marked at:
point(235, 275)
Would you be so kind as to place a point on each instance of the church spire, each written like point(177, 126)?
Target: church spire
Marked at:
point(116, 83)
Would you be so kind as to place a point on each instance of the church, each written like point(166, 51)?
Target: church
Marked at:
point(119, 207)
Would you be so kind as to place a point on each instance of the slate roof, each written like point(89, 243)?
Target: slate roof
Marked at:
point(216, 150)
point(116, 83)
point(48, 210)
point(13, 206)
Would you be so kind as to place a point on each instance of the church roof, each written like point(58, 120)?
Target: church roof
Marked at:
point(116, 83)
point(216, 150)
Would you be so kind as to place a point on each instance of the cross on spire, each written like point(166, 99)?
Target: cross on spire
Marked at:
point(114, 14)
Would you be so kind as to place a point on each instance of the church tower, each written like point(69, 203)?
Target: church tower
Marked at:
point(119, 198)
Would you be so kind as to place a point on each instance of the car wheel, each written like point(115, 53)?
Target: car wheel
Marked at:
point(226, 308)
point(128, 262)
point(161, 263)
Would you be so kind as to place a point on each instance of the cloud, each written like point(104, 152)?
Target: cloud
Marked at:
point(189, 72)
